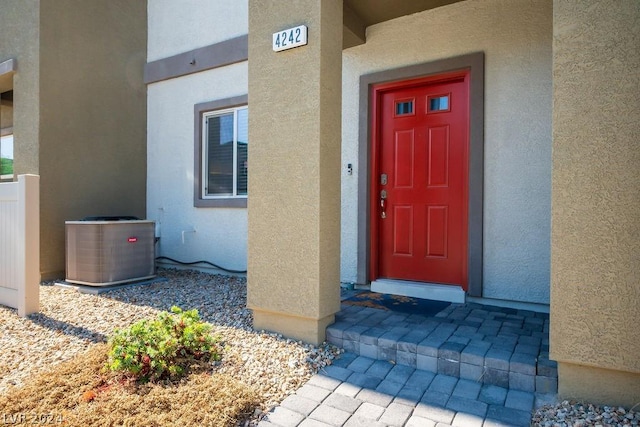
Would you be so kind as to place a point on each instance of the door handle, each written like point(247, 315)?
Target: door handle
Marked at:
point(383, 197)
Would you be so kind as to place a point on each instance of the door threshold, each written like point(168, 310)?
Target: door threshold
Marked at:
point(432, 291)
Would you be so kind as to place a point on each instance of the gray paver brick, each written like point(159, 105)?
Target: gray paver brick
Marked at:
point(300, 404)
point(449, 367)
point(390, 339)
point(509, 415)
point(406, 358)
point(409, 395)
point(370, 411)
point(421, 379)
point(400, 373)
point(361, 364)
point(495, 423)
point(519, 400)
point(330, 415)
point(348, 389)
point(369, 351)
point(359, 421)
point(450, 350)
point(534, 350)
point(546, 384)
point(344, 360)
point(416, 421)
point(371, 335)
point(313, 423)
point(351, 346)
point(522, 382)
point(375, 319)
point(410, 341)
point(434, 413)
point(458, 339)
point(317, 394)
point(498, 359)
point(467, 331)
point(353, 333)
point(396, 414)
point(430, 345)
point(337, 329)
point(463, 419)
point(435, 398)
point(379, 369)
point(546, 367)
point(493, 395)
point(324, 381)
point(468, 406)
point(471, 372)
point(363, 380)
point(496, 377)
point(503, 345)
point(336, 372)
point(427, 363)
point(467, 389)
point(285, 417)
point(389, 387)
point(386, 353)
point(375, 397)
point(345, 403)
point(523, 363)
point(443, 384)
point(473, 354)
point(525, 339)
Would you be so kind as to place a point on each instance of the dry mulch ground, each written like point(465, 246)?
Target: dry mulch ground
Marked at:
point(80, 392)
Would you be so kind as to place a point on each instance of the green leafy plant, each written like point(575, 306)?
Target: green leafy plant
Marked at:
point(164, 347)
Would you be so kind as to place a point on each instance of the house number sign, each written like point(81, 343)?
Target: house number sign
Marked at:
point(290, 38)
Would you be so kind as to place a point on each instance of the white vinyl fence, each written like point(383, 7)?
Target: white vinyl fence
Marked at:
point(20, 244)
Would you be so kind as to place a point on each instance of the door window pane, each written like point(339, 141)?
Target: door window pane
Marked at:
point(439, 103)
point(403, 108)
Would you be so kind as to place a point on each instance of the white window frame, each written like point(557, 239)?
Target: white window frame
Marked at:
point(205, 152)
point(199, 182)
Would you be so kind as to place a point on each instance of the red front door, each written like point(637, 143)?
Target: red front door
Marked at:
point(420, 182)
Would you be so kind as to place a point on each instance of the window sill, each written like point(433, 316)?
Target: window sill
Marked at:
point(231, 202)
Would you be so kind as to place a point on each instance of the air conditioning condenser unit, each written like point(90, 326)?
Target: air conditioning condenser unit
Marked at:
point(108, 252)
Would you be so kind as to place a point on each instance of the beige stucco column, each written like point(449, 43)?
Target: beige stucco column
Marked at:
point(595, 280)
point(294, 172)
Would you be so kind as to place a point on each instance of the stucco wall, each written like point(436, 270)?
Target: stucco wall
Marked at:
point(596, 197)
point(19, 39)
point(92, 116)
point(294, 209)
point(221, 233)
point(516, 39)
point(179, 27)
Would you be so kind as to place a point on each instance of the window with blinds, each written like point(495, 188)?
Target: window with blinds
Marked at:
point(225, 167)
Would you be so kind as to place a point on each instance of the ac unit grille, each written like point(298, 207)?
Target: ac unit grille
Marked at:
point(101, 253)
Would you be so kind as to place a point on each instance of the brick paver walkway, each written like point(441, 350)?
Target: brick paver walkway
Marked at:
point(471, 365)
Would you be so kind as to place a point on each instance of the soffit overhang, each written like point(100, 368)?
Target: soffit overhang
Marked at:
point(359, 14)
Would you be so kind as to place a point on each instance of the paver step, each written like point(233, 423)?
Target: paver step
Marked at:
point(489, 345)
point(360, 391)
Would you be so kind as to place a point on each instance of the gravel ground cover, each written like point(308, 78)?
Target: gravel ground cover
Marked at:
point(69, 322)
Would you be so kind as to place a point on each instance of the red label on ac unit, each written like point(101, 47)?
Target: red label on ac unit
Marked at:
point(132, 239)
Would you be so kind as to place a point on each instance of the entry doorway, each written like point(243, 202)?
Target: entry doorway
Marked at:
point(419, 190)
